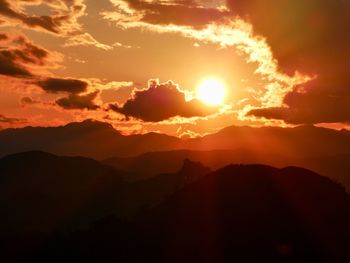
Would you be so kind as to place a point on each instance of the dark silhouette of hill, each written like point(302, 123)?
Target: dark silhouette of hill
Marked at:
point(41, 193)
point(89, 138)
point(148, 164)
point(100, 141)
point(241, 213)
point(301, 141)
point(336, 167)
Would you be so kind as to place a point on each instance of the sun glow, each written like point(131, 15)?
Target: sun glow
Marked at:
point(211, 92)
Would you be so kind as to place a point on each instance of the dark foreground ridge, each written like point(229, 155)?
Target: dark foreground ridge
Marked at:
point(240, 213)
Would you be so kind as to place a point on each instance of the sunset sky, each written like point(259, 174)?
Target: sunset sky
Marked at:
point(180, 67)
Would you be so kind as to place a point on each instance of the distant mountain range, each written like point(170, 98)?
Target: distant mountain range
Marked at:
point(101, 141)
point(325, 151)
point(89, 138)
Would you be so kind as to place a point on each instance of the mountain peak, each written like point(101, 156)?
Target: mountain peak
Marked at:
point(90, 124)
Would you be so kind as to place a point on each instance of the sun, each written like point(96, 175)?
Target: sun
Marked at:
point(211, 92)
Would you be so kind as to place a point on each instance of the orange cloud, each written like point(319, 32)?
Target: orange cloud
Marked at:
point(81, 102)
point(86, 39)
point(62, 21)
point(161, 101)
point(55, 85)
point(19, 57)
point(8, 120)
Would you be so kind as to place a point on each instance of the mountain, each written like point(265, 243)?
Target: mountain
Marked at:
point(89, 138)
point(302, 141)
point(336, 167)
point(240, 213)
point(41, 191)
point(101, 141)
point(148, 164)
point(323, 150)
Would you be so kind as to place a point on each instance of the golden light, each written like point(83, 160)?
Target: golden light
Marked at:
point(211, 92)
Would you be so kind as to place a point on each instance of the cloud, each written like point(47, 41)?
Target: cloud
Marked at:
point(8, 120)
point(314, 102)
point(181, 13)
point(314, 38)
point(28, 101)
point(61, 20)
point(9, 67)
point(86, 39)
point(3, 37)
point(74, 101)
point(19, 57)
point(161, 102)
point(299, 33)
point(55, 85)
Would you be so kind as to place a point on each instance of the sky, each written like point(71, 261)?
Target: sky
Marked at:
point(140, 64)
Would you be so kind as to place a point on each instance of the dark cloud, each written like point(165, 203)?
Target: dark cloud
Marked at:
point(55, 85)
point(8, 120)
point(29, 101)
point(31, 53)
point(3, 37)
point(80, 102)
point(315, 102)
point(312, 37)
point(160, 102)
point(9, 67)
point(52, 23)
point(176, 12)
point(19, 55)
point(46, 22)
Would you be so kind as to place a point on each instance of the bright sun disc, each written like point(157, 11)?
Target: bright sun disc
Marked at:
point(211, 92)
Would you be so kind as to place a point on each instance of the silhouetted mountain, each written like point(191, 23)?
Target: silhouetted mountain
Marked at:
point(239, 213)
point(43, 191)
point(302, 141)
point(305, 146)
point(89, 138)
point(100, 141)
point(148, 164)
point(336, 167)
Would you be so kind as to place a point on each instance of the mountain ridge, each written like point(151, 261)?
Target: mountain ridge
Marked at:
point(76, 139)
